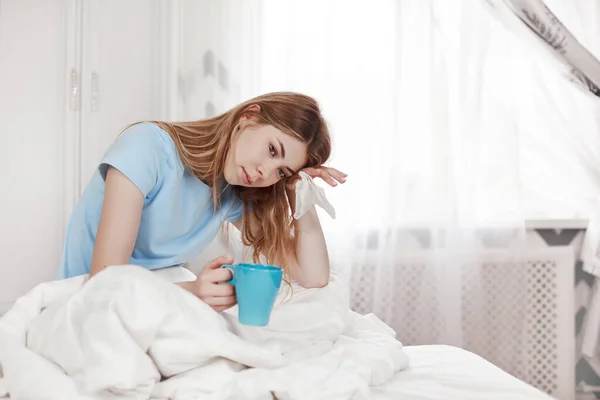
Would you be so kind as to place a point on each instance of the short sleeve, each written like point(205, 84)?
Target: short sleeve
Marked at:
point(139, 154)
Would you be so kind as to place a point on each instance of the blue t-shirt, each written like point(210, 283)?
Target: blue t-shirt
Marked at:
point(178, 220)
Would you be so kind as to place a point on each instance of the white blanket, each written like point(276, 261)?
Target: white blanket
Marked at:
point(129, 334)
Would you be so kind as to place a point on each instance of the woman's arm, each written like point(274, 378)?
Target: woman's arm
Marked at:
point(312, 259)
point(311, 265)
point(117, 233)
point(119, 222)
point(311, 268)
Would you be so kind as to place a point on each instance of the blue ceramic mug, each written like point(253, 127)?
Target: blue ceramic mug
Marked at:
point(256, 288)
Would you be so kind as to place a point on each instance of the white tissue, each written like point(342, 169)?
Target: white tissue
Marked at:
point(309, 194)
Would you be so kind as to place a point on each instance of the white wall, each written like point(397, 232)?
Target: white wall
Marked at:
point(32, 86)
point(143, 58)
point(218, 53)
point(54, 131)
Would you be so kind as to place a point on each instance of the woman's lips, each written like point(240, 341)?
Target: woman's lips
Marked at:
point(246, 179)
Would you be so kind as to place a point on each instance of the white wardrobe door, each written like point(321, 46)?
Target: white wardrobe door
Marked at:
point(121, 67)
point(32, 110)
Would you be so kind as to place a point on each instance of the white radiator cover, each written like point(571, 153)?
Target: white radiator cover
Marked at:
point(516, 313)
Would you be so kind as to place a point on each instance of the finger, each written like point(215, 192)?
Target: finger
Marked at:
point(220, 301)
point(223, 308)
point(340, 172)
point(338, 175)
point(338, 178)
point(218, 275)
point(212, 289)
point(313, 172)
point(217, 262)
point(327, 178)
point(223, 290)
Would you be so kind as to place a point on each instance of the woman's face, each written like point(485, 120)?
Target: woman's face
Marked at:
point(262, 155)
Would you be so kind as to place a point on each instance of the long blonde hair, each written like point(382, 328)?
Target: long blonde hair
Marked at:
point(204, 145)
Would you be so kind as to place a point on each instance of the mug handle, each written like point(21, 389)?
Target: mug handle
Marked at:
point(232, 268)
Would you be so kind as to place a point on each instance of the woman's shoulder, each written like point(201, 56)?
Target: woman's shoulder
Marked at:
point(150, 138)
point(142, 150)
point(148, 132)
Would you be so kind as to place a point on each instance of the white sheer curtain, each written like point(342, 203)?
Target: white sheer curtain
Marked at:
point(423, 110)
point(571, 39)
point(569, 33)
point(215, 56)
point(451, 129)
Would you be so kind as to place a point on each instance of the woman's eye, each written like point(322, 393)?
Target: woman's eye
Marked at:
point(282, 173)
point(272, 150)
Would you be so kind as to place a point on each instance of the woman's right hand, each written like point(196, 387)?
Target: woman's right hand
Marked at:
point(210, 285)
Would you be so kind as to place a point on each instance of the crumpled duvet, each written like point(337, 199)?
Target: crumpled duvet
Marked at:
point(129, 334)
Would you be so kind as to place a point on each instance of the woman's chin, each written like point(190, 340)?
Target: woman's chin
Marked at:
point(230, 182)
point(235, 182)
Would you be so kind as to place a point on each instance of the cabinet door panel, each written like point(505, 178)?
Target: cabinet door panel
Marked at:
point(121, 67)
point(33, 82)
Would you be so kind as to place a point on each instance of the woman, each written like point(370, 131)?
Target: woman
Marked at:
point(163, 190)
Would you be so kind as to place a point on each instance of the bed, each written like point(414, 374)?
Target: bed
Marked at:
point(339, 354)
point(439, 372)
point(445, 372)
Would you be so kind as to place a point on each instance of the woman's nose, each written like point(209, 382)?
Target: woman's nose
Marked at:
point(265, 172)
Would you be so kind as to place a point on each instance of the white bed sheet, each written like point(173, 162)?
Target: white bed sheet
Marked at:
point(446, 372)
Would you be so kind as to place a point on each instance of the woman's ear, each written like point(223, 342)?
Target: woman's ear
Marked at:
point(252, 108)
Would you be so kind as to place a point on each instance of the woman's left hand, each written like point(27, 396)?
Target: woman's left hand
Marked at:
point(330, 175)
